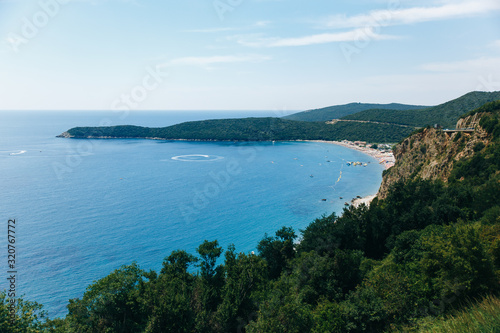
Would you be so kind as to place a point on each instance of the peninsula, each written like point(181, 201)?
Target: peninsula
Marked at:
point(389, 123)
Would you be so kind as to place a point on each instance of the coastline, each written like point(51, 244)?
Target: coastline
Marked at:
point(387, 159)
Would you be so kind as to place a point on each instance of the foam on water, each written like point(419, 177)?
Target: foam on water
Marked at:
point(197, 158)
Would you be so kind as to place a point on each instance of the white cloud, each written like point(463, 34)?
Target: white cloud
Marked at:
point(262, 23)
point(472, 65)
point(212, 30)
point(212, 60)
point(495, 44)
point(413, 15)
point(348, 36)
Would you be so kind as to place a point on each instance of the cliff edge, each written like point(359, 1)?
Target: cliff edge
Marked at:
point(431, 153)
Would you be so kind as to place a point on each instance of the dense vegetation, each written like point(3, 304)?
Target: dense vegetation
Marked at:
point(415, 261)
point(445, 114)
point(252, 129)
point(339, 111)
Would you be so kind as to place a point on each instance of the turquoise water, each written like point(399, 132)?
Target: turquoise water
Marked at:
point(85, 207)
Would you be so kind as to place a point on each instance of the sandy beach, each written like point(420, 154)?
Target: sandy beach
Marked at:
point(385, 158)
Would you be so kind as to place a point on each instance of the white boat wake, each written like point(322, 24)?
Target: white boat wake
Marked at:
point(18, 153)
point(197, 158)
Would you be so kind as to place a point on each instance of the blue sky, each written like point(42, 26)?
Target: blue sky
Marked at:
point(244, 54)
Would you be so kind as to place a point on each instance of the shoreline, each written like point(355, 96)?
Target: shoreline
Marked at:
point(365, 200)
point(387, 159)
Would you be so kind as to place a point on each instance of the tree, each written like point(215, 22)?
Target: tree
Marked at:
point(207, 291)
point(209, 252)
point(109, 304)
point(316, 277)
point(282, 312)
point(245, 276)
point(177, 263)
point(22, 316)
point(456, 264)
point(168, 298)
point(278, 250)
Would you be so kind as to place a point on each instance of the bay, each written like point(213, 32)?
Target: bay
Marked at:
point(85, 207)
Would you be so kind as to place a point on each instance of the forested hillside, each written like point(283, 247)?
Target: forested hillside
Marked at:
point(339, 111)
point(445, 114)
point(250, 129)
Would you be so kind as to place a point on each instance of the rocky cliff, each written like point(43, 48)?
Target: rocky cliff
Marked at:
point(431, 153)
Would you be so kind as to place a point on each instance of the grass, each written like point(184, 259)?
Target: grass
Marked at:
point(483, 317)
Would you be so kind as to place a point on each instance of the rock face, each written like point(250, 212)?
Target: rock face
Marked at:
point(431, 153)
point(64, 135)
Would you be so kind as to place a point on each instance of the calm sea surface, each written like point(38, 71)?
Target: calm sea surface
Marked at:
point(85, 207)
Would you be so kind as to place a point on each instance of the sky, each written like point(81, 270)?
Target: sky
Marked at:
point(244, 54)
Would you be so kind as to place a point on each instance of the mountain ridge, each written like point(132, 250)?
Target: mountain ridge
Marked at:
point(445, 114)
point(339, 111)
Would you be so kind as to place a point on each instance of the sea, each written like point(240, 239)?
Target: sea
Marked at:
point(83, 208)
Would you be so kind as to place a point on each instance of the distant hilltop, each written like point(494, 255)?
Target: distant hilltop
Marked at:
point(386, 123)
point(446, 114)
point(340, 111)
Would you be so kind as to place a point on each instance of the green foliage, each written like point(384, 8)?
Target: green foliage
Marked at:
point(277, 251)
point(282, 312)
point(478, 147)
point(316, 277)
point(487, 108)
point(207, 292)
point(245, 279)
point(409, 206)
point(481, 172)
point(445, 114)
point(482, 316)
point(209, 252)
point(339, 111)
point(252, 129)
point(491, 124)
point(22, 316)
point(328, 318)
point(109, 304)
point(455, 262)
point(167, 298)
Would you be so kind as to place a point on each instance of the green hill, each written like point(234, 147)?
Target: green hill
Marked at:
point(445, 114)
point(250, 129)
point(339, 111)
